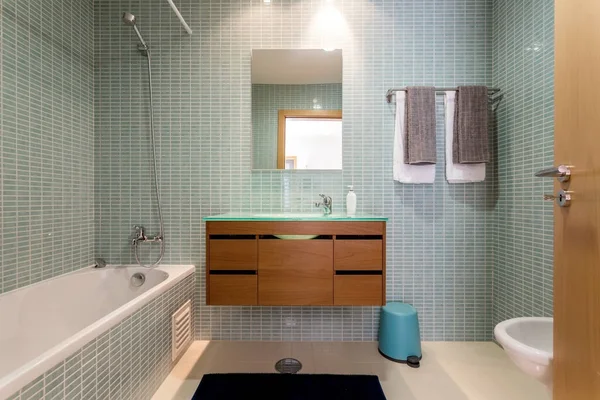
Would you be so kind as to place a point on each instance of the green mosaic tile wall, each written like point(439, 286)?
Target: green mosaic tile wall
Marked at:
point(523, 232)
point(46, 141)
point(439, 253)
point(267, 100)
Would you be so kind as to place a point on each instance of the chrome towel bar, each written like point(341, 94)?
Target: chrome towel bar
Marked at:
point(439, 90)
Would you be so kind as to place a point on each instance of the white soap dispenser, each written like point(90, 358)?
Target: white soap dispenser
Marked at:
point(351, 202)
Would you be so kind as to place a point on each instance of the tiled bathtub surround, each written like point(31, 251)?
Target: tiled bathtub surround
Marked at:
point(439, 252)
point(268, 99)
point(129, 361)
point(523, 232)
point(46, 140)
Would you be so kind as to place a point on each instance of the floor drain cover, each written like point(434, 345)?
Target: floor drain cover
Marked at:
point(288, 366)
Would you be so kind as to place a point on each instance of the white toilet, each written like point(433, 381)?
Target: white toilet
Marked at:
point(528, 343)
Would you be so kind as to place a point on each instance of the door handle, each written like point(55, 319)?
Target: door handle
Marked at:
point(563, 198)
point(562, 173)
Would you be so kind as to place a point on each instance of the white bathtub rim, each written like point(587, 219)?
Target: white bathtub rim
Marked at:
point(25, 374)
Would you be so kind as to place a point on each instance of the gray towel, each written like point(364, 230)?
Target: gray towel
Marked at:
point(419, 145)
point(470, 138)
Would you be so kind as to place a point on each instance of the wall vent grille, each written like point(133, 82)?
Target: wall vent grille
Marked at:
point(181, 329)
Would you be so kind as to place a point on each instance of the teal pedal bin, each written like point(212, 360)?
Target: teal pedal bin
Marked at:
point(399, 335)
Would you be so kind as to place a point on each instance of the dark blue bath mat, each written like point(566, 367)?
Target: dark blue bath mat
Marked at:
point(288, 387)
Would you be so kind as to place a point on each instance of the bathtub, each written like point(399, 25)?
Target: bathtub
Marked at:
point(44, 323)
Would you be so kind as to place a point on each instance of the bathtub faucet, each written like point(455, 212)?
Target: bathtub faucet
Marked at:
point(140, 236)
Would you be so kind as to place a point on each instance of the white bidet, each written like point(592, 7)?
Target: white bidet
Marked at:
point(528, 343)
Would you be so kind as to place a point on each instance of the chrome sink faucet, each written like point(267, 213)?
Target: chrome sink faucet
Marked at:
point(326, 203)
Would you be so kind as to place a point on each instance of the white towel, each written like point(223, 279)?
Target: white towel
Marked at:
point(407, 173)
point(458, 173)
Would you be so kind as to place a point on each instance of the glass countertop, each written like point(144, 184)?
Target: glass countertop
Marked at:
point(292, 216)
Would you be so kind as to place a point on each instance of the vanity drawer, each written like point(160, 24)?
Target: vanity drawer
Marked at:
point(365, 255)
point(233, 290)
point(358, 290)
point(235, 254)
point(295, 272)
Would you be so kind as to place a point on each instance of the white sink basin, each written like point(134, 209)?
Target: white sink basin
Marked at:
point(528, 343)
point(291, 215)
point(296, 237)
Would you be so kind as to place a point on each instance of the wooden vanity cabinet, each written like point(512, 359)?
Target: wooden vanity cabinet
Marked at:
point(233, 290)
point(233, 254)
point(358, 290)
point(248, 265)
point(295, 272)
point(358, 254)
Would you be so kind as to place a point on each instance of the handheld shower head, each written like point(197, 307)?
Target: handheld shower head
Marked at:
point(130, 20)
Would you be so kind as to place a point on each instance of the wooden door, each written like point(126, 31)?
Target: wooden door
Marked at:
point(576, 228)
point(295, 272)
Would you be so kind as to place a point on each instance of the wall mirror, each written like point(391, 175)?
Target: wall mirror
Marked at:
point(297, 109)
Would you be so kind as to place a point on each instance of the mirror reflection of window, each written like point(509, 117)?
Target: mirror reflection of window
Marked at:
point(313, 137)
point(313, 143)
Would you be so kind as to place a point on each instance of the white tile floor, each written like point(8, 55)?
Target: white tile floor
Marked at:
point(449, 370)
